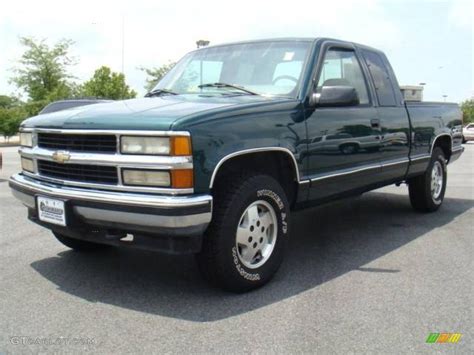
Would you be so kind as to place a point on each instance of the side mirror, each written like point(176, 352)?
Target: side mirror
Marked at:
point(336, 96)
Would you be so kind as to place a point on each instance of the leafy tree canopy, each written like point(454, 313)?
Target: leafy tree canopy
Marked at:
point(10, 119)
point(9, 101)
point(155, 74)
point(106, 84)
point(467, 108)
point(43, 71)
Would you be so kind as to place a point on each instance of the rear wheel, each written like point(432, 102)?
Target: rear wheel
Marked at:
point(427, 190)
point(244, 245)
point(79, 245)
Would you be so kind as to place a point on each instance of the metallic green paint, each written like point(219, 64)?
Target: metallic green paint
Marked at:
point(222, 125)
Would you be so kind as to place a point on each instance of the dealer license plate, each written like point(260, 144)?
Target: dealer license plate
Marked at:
point(51, 211)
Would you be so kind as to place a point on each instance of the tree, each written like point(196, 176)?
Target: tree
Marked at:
point(9, 101)
point(155, 74)
point(467, 108)
point(106, 84)
point(10, 119)
point(43, 72)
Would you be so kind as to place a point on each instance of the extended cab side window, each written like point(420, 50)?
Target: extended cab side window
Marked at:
point(341, 67)
point(381, 78)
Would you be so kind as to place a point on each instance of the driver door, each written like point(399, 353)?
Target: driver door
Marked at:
point(343, 153)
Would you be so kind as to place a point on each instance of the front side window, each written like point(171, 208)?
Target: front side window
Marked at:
point(266, 68)
point(341, 68)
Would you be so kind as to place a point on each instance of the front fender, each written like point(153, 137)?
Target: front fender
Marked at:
point(217, 140)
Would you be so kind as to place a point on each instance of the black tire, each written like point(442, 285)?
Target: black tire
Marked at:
point(79, 245)
point(220, 260)
point(422, 197)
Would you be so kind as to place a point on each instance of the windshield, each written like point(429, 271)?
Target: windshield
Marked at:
point(265, 68)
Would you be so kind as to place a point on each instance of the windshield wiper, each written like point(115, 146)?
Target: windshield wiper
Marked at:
point(225, 85)
point(159, 92)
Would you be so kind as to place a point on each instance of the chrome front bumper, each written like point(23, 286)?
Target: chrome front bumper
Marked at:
point(127, 211)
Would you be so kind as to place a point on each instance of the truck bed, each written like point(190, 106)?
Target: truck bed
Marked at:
point(430, 120)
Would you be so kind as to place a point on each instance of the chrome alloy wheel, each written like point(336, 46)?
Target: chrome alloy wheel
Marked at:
point(436, 180)
point(256, 234)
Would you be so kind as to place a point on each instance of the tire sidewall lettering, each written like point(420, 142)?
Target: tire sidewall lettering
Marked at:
point(240, 269)
point(279, 206)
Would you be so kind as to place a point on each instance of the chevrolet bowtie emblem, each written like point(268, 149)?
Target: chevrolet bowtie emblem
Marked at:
point(61, 157)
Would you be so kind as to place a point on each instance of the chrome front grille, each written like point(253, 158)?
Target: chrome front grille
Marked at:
point(91, 143)
point(79, 172)
point(91, 159)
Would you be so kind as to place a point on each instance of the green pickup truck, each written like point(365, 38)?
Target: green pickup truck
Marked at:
point(229, 142)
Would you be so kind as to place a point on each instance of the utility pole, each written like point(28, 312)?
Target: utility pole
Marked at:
point(123, 42)
point(123, 54)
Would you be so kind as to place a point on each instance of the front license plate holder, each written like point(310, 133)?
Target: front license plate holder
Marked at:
point(51, 210)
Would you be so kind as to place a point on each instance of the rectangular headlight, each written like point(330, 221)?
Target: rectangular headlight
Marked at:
point(145, 145)
point(27, 165)
point(146, 177)
point(26, 139)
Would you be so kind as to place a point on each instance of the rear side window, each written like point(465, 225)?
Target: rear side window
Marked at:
point(381, 78)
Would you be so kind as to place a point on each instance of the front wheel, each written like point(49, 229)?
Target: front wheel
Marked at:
point(244, 244)
point(427, 190)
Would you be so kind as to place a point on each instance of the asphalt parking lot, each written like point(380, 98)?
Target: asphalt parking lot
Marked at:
point(361, 275)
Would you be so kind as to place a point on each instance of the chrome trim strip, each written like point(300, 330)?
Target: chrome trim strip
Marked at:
point(149, 220)
point(37, 187)
point(403, 161)
point(250, 151)
point(352, 171)
point(118, 160)
point(460, 147)
point(106, 131)
point(420, 157)
point(359, 169)
point(119, 188)
point(440, 135)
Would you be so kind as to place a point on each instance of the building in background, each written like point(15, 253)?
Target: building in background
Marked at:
point(412, 92)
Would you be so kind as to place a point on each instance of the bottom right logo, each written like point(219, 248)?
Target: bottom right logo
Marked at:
point(444, 338)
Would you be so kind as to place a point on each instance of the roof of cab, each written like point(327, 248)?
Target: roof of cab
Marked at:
point(296, 39)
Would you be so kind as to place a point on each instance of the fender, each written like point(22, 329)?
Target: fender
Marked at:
point(255, 150)
point(436, 138)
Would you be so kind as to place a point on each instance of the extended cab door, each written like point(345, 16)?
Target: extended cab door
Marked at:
point(343, 142)
point(394, 122)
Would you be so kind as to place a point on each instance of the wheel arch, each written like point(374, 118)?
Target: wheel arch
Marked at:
point(445, 142)
point(262, 159)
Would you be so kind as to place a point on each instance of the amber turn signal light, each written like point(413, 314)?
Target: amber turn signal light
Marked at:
point(182, 178)
point(181, 145)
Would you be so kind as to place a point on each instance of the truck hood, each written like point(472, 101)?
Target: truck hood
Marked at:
point(155, 113)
